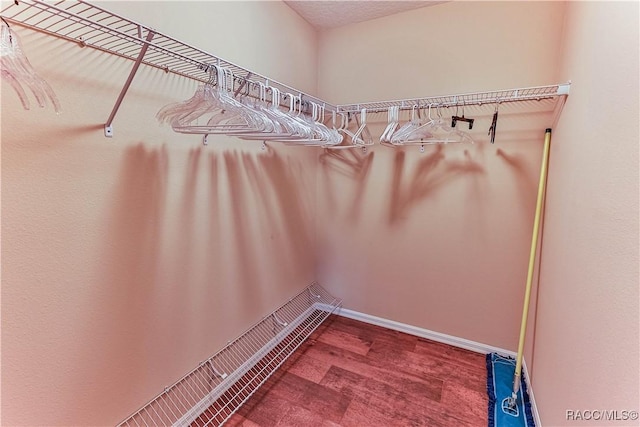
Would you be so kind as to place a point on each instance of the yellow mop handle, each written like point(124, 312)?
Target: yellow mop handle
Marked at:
point(532, 258)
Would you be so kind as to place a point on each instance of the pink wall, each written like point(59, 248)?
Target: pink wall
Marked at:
point(586, 345)
point(438, 240)
point(127, 261)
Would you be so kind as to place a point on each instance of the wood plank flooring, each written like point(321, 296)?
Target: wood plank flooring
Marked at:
point(353, 374)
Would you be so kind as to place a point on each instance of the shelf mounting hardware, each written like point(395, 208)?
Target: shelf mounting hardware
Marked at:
point(108, 129)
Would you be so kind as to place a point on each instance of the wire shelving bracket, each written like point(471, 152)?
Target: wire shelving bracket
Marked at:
point(218, 386)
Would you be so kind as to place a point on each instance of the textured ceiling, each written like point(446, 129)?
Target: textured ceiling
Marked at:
point(335, 13)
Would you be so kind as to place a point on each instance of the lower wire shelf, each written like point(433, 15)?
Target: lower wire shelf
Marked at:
point(211, 393)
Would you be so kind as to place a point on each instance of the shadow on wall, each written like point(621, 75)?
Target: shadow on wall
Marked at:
point(431, 174)
point(258, 229)
point(526, 180)
point(183, 268)
point(352, 164)
point(214, 249)
point(293, 203)
point(241, 228)
point(271, 218)
point(130, 262)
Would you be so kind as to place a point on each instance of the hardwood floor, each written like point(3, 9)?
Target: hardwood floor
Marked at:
point(353, 374)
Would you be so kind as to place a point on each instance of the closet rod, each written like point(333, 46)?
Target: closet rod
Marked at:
point(88, 25)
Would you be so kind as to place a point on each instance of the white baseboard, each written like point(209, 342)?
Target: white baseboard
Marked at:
point(424, 333)
point(446, 339)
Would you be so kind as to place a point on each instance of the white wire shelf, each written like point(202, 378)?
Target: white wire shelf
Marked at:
point(218, 386)
point(89, 25)
point(536, 93)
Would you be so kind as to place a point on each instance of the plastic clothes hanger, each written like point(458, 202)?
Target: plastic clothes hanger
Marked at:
point(278, 125)
point(343, 131)
point(229, 116)
point(298, 128)
point(17, 70)
point(332, 135)
point(10, 78)
point(170, 111)
point(246, 119)
point(362, 136)
point(337, 136)
point(392, 119)
point(24, 71)
point(417, 127)
point(287, 127)
point(442, 133)
point(323, 132)
point(416, 122)
point(302, 130)
point(355, 140)
point(345, 143)
point(344, 127)
point(203, 101)
point(435, 131)
point(320, 134)
point(258, 107)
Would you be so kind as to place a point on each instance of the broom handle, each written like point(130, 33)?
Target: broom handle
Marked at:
point(532, 259)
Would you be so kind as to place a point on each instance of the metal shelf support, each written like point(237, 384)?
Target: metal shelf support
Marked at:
point(108, 129)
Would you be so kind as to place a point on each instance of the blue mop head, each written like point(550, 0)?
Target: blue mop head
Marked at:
point(500, 372)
